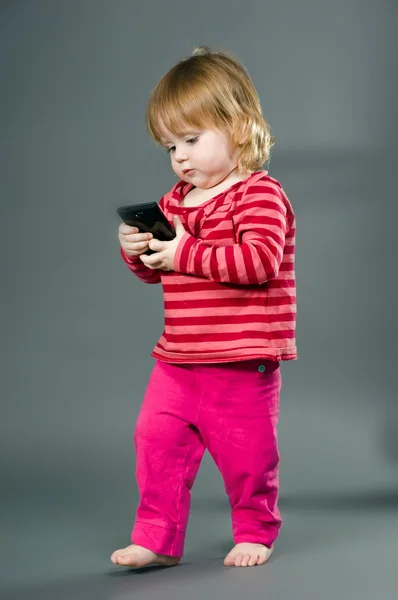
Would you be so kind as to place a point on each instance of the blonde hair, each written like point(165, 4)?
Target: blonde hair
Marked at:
point(212, 89)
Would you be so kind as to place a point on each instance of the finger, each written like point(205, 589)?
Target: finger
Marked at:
point(124, 228)
point(150, 265)
point(153, 260)
point(157, 245)
point(178, 226)
point(136, 237)
point(136, 247)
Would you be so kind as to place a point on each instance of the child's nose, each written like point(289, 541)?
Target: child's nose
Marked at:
point(180, 154)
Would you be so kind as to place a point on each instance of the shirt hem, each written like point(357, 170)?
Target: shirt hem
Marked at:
point(273, 355)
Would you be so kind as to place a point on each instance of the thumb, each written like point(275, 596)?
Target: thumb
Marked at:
point(178, 226)
point(156, 245)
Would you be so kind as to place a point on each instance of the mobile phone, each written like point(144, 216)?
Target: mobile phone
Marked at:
point(149, 218)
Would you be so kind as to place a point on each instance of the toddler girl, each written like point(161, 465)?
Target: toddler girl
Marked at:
point(230, 309)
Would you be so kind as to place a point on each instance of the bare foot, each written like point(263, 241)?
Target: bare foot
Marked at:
point(247, 555)
point(138, 556)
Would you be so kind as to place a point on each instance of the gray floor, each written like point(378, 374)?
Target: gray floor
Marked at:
point(346, 558)
point(56, 543)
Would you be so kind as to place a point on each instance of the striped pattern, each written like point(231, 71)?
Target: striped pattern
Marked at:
point(232, 295)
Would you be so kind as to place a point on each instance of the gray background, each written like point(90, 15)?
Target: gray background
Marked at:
point(77, 328)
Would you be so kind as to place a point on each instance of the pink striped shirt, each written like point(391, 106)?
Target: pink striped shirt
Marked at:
point(232, 295)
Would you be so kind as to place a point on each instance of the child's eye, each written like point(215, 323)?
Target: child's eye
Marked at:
point(190, 141)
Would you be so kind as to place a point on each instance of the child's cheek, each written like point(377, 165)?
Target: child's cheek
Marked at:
point(176, 169)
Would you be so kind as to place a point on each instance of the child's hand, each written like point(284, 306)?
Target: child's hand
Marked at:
point(132, 241)
point(164, 251)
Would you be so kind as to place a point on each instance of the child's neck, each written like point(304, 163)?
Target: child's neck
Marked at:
point(197, 196)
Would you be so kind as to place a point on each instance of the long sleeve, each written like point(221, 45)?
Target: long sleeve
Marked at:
point(137, 267)
point(261, 223)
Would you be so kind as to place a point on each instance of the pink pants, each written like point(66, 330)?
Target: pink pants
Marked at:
point(232, 410)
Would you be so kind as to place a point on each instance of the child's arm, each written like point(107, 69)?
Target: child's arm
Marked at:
point(261, 223)
point(137, 267)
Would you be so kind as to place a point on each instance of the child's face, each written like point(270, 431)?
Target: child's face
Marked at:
point(203, 158)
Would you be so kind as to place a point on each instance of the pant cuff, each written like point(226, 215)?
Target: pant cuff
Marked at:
point(256, 536)
point(161, 540)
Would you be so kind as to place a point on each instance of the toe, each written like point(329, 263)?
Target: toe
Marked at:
point(253, 560)
point(126, 559)
point(229, 560)
point(238, 559)
point(263, 558)
point(245, 560)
